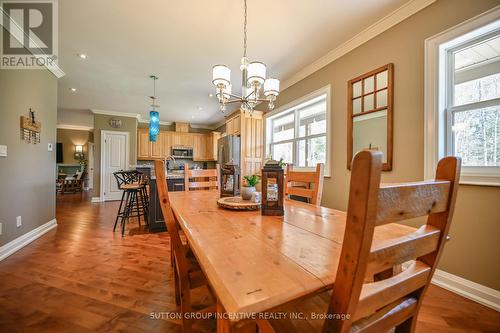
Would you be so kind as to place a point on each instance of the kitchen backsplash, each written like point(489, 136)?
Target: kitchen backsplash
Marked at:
point(179, 163)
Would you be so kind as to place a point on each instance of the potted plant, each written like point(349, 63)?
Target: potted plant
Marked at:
point(249, 186)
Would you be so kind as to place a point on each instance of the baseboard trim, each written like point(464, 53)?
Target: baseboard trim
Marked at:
point(21, 241)
point(474, 291)
point(96, 199)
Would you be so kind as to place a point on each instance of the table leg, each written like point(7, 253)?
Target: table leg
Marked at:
point(226, 326)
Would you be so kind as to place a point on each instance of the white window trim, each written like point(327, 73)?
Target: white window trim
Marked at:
point(322, 91)
point(435, 122)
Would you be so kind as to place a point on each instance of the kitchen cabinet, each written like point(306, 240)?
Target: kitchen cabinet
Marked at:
point(233, 125)
point(182, 139)
point(157, 148)
point(143, 143)
point(199, 147)
point(204, 145)
point(250, 129)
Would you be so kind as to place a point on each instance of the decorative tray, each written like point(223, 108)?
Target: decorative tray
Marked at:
point(237, 203)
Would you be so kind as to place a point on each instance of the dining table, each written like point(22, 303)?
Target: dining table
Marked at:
point(256, 263)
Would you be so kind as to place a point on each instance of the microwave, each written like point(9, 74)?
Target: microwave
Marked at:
point(182, 152)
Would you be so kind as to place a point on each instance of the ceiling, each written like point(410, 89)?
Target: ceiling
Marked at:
point(180, 41)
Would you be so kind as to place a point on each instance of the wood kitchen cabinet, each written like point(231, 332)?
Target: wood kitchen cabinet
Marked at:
point(250, 129)
point(143, 147)
point(204, 145)
point(157, 148)
point(199, 147)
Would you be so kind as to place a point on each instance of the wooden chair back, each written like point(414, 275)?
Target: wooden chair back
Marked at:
point(394, 301)
point(172, 227)
point(205, 179)
point(312, 179)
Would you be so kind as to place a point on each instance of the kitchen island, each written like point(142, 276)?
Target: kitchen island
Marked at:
point(175, 182)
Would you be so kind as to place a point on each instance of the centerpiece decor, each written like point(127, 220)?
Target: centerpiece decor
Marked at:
point(249, 186)
point(272, 189)
point(230, 180)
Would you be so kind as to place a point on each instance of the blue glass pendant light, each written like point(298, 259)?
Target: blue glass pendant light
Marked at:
point(154, 116)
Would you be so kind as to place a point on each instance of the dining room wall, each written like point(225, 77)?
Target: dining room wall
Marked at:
point(28, 172)
point(473, 250)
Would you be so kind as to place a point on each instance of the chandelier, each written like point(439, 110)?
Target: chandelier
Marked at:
point(253, 81)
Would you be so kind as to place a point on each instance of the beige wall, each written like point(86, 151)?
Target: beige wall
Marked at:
point(473, 251)
point(70, 138)
point(101, 123)
point(28, 173)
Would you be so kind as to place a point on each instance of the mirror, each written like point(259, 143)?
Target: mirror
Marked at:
point(370, 114)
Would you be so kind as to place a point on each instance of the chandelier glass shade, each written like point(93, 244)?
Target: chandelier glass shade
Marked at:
point(154, 125)
point(154, 116)
point(253, 81)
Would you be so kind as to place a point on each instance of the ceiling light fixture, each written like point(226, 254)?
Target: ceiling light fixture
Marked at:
point(72, 89)
point(82, 55)
point(154, 116)
point(253, 78)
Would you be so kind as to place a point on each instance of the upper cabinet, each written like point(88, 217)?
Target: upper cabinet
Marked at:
point(143, 144)
point(204, 145)
point(233, 125)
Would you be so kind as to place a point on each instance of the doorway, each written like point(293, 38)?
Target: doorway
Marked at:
point(115, 147)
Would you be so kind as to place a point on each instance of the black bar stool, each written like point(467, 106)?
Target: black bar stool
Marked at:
point(135, 199)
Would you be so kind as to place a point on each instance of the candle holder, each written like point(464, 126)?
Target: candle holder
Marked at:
point(230, 180)
point(272, 189)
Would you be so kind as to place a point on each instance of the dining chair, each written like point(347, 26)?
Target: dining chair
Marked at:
point(187, 272)
point(393, 302)
point(201, 179)
point(312, 181)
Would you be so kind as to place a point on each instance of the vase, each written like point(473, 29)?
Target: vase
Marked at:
point(247, 191)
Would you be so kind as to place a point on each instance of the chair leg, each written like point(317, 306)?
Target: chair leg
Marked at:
point(119, 211)
point(185, 295)
point(126, 213)
point(176, 289)
point(136, 201)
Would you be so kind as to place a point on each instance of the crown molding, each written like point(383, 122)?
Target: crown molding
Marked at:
point(116, 113)
point(74, 127)
point(387, 22)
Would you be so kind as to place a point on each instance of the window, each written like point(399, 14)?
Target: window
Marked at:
point(298, 132)
point(474, 102)
point(463, 109)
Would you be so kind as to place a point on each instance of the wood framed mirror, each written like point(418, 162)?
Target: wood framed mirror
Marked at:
point(370, 113)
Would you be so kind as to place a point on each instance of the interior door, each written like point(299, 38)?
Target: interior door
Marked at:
point(90, 166)
point(115, 158)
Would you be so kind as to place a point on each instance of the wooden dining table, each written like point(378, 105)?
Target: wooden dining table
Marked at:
point(257, 263)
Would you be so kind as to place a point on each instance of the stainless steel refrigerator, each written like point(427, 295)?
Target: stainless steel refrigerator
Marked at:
point(228, 149)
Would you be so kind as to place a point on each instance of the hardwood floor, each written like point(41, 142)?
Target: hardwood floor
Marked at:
point(82, 277)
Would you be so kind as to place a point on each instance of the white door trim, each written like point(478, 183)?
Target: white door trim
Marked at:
point(127, 157)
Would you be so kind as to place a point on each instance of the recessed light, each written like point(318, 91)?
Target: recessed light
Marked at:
point(82, 55)
point(192, 117)
point(210, 95)
point(72, 89)
point(200, 108)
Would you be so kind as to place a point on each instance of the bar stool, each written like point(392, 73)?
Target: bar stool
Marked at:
point(135, 199)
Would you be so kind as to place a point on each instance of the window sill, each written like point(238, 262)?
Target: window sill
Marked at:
point(467, 178)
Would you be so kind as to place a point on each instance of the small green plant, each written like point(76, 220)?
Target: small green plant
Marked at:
point(252, 180)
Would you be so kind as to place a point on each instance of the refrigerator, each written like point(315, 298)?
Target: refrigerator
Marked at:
point(228, 149)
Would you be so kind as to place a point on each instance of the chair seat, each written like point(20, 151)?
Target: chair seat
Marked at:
point(131, 186)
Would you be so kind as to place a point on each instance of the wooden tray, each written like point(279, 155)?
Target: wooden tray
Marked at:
point(237, 203)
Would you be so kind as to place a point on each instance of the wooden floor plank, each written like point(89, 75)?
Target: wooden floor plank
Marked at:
point(82, 277)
